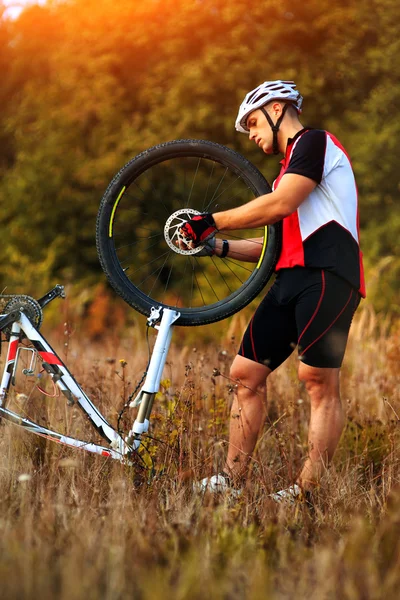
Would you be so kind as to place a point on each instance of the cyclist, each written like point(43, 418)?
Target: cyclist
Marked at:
point(318, 285)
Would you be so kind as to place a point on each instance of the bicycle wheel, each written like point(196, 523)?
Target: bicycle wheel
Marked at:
point(138, 219)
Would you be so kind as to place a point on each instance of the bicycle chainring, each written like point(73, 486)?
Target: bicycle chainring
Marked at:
point(30, 307)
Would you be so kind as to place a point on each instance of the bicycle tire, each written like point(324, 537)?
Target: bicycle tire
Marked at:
point(119, 217)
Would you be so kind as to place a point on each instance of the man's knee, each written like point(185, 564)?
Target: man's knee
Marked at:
point(250, 376)
point(320, 383)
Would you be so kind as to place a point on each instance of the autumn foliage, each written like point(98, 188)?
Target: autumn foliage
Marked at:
point(87, 84)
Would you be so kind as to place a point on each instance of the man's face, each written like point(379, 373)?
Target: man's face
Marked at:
point(260, 131)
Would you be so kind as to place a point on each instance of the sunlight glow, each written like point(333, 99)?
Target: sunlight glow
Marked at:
point(15, 7)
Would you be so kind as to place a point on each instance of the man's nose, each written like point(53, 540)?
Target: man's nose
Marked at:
point(252, 135)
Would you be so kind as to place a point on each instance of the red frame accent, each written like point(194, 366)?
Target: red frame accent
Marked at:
point(50, 358)
point(12, 350)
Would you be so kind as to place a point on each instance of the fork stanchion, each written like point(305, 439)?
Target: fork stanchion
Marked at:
point(145, 398)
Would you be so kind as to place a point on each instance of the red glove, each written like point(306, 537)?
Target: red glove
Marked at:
point(199, 229)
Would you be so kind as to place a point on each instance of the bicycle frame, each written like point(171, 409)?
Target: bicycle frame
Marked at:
point(118, 448)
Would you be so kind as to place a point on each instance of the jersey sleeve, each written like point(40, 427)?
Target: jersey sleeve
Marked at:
point(308, 157)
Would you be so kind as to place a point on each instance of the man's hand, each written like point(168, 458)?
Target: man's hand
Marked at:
point(198, 230)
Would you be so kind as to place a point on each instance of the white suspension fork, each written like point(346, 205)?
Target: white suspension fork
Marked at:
point(145, 398)
point(9, 367)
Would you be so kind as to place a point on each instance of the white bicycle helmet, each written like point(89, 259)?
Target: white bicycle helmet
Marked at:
point(264, 93)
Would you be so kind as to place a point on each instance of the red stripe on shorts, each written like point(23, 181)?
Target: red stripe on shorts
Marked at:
point(252, 340)
point(317, 308)
point(331, 325)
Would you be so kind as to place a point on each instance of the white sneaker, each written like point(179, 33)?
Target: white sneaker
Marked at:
point(217, 484)
point(288, 496)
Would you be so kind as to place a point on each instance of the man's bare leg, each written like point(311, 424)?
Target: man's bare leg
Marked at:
point(249, 410)
point(247, 414)
point(326, 421)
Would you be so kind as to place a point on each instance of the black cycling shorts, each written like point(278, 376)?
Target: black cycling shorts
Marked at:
point(308, 308)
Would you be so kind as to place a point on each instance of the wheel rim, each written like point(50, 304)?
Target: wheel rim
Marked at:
point(144, 216)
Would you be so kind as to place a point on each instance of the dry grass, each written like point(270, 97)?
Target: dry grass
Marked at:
point(76, 526)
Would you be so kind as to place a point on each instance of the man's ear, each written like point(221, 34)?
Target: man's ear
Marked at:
point(277, 108)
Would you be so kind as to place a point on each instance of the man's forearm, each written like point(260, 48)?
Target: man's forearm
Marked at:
point(263, 210)
point(244, 250)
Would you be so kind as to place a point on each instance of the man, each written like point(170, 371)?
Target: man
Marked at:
point(318, 284)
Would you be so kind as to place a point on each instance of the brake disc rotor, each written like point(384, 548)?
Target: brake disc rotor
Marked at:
point(171, 230)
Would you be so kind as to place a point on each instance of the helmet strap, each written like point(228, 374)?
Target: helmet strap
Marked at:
point(275, 128)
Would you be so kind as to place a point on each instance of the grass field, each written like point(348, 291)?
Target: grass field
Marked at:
point(77, 526)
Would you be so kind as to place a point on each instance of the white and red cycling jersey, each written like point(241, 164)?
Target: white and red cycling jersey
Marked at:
point(323, 232)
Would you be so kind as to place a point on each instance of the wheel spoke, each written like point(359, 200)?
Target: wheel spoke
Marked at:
point(223, 277)
point(197, 283)
point(218, 186)
point(141, 267)
point(204, 206)
point(159, 272)
point(155, 193)
point(228, 200)
point(194, 179)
